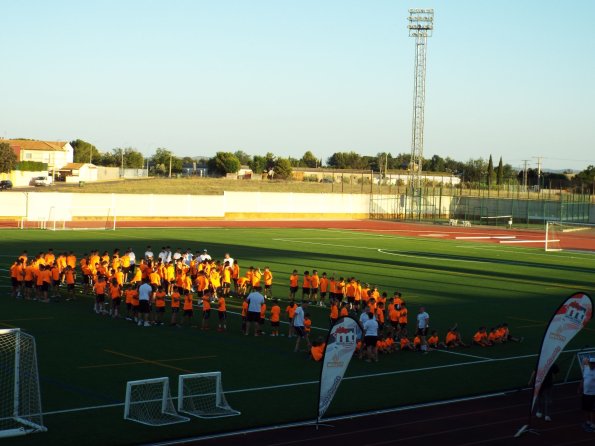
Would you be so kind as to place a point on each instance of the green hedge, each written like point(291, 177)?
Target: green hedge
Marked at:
point(31, 166)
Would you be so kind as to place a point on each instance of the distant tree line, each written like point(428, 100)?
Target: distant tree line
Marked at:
point(473, 172)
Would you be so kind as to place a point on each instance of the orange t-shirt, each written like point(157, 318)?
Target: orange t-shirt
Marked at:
point(100, 287)
point(323, 284)
point(290, 311)
point(188, 302)
point(160, 299)
point(404, 342)
point(114, 291)
point(334, 312)
point(293, 280)
point(175, 299)
point(317, 352)
point(221, 306)
point(307, 325)
point(206, 303)
point(450, 337)
point(275, 313)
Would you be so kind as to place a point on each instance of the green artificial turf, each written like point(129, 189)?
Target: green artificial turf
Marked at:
point(85, 360)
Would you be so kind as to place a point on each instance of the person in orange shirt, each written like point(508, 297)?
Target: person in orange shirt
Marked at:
point(30, 272)
point(16, 277)
point(314, 287)
point(403, 315)
point(175, 306)
point(324, 286)
point(69, 275)
point(293, 284)
point(332, 288)
point(434, 341)
point(334, 314)
point(275, 317)
point(306, 286)
point(244, 314)
point(380, 316)
point(215, 282)
point(453, 338)
point(55, 274)
point(506, 336)
point(267, 276)
point(115, 291)
point(405, 343)
point(49, 257)
point(307, 328)
point(44, 281)
point(290, 311)
point(255, 278)
point(226, 279)
point(206, 309)
point(262, 319)
point(242, 287)
point(350, 290)
point(340, 289)
point(344, 311)
point(481, 338)
point(188, 308)
point(317, 349)
point(128, 300)
point(222, 313)
point(100, 288)
point(417, 343)
point(494, 337)
point(159, 305)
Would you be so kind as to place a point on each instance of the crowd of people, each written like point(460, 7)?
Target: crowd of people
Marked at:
point(187, 281)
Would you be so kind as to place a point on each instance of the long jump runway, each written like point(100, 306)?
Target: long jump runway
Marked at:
point(486, 421)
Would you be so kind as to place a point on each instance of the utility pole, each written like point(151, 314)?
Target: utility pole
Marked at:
point(525, 174)
point(539, 158)
point(170, 157)
point(122, 163)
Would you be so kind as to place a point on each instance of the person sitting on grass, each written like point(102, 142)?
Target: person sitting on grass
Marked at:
point(434, 341)
point(453, 338)
point(317, 349)
point(494, 336)
point(481, 338)
point(404, 342)
point(506, 336)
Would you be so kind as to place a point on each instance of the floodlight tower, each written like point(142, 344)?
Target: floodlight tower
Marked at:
point(421, 25)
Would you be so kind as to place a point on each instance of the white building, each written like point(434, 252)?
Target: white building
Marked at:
point(56, 154)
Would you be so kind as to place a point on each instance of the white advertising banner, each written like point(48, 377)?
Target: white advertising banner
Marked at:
point(569, 319)
point(340, 346)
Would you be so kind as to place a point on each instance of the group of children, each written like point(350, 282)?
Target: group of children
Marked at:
point(177, 277)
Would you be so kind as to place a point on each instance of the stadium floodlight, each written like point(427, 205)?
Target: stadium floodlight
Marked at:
point(421, 26)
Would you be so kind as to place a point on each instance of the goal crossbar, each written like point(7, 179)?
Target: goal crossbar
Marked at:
point(148, 401)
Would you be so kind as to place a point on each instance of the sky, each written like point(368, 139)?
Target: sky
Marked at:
point(508, 78)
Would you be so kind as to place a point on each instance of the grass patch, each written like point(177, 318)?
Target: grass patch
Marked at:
point(85, 360)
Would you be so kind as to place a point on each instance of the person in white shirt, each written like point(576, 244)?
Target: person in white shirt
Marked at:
point(162, 255)
point(145, 293)
point(149, 253)
point(132, 257)
point(255, 300)
point(370, 338)
point(298, 324)
point(177, 255)
point(228, 259)
point(588, 389)
point(423, 323)
point(204, 256)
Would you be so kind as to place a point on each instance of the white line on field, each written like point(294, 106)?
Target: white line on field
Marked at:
point(305, 383)
point(525, 241)
point(487, 237)
point(461, 354)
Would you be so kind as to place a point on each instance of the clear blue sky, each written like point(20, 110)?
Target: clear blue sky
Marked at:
point(508, 78)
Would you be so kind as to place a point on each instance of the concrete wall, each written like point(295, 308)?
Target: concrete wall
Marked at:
point(232, 205)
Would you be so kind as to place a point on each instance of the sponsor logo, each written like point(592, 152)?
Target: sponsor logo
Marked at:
point(557, 335)
point(335, 362)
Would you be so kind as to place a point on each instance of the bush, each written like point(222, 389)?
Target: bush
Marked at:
point(311, 178)
point(31, 166)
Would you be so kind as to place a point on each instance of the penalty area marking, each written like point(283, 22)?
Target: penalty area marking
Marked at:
point(487, 237)
point(526, 241)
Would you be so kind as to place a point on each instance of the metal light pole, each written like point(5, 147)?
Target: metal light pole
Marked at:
point(421, 26)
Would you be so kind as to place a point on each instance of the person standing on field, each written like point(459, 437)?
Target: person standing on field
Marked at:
point(255, 300)
point(145, 294)
point(423, 324)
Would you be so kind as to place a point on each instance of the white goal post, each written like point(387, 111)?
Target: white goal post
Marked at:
point(81, 217)
point(148, 401)
point(201, 395)
point(20, 410)
point(569, 236)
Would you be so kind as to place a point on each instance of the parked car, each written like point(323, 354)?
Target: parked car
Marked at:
point(5, 184)
point(43, 181)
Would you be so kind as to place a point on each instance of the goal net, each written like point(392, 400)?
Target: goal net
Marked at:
point(149, 402)
point(569, 236)
point(201, 395)
point(81, 217)
point(20, 411)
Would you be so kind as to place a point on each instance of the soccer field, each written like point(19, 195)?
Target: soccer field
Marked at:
point(85, 359)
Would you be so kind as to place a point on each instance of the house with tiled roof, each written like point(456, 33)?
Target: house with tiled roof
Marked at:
point(56, 154)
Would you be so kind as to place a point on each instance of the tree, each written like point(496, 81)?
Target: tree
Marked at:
point(347, 160)
point(133, 159)
point(85, 152)
point(490, 171)
point(309, 160)
point(261, 164)
point(500, 173)
point(282, 169)
point(435, 164)
point(160, 162)
point(242, 156)
point(586, 178)
point(223, 163)
point(8, 159)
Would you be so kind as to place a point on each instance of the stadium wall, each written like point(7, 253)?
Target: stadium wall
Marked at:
point(37, 206)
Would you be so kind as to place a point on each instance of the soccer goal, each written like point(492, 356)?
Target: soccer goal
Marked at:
point(148, 401)
point(20, 410)
point(497, 220)
point(81, 217)
point(201, 395)
point(569, 236)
